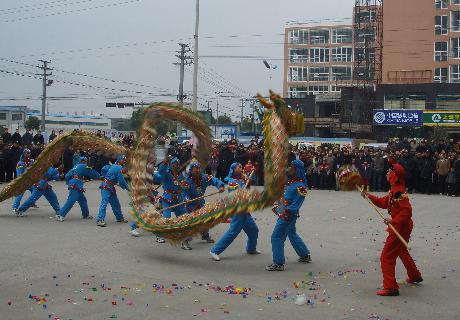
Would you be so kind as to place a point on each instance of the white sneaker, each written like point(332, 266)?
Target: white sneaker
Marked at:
point(15, 211)
point(214, 256)
point(21, 214)
point(60, 218)
point(135, 233)
point(160, 240)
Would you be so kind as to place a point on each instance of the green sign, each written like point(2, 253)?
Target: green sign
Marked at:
point(441, 118)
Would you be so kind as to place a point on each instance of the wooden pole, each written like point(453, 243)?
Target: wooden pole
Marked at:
point(383, 217)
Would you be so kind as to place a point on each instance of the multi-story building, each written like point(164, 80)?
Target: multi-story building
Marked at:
point(318, 59)
point(12, 117)
point(421, 42)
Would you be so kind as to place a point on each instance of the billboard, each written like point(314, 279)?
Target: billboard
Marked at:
point(397, 117)
point(441, 118)
point(221, 131)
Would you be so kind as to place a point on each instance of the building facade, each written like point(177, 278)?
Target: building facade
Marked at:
point(13, 117)
point(421, 41)
point(69, 122)
point(318, 59)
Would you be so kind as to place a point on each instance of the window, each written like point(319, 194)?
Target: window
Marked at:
point(441, 4)
point(342, 54)
point(365, 35)
point(319, 74)
point(2, 116)
point(319, 36)
point(319, 55)
point(297, 74)
point(440, 75)
point(16, 117)
point(298, 55)
point(342, 36)
point(298, 36)
point(440, 51)
point(455, 1)
point(455, 45)
point(455, 73)
point(298, 92)
point(341, 73)
point(318, 89)
point(441, 24)
point(366, 54)
point(455, 21)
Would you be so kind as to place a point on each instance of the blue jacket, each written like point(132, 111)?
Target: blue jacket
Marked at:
point(51, 174)
point(74, 178)
point(113, 176)
point(198, 188)
point(23, 165)
point(173, 186)
point(294, 192)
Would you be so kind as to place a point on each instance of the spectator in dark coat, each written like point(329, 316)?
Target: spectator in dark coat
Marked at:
point(39, 139)
point(6, 136)
point(27, 138)
point(16, 137)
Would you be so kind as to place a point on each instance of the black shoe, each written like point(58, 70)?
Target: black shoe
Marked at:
point(275, 267)
point(306, 259)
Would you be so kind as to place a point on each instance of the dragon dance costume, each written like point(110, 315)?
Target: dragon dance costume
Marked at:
point(113, 175)
point(399, 208)
point(288, 212)
point(24, 164)
point(239, 222)
point(43, 188)
point(75, 181)
point(197, 185)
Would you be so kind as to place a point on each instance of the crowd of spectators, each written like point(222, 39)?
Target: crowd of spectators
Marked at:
point(431, 167)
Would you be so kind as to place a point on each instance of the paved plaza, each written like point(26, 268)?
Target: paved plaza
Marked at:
point(76, 270)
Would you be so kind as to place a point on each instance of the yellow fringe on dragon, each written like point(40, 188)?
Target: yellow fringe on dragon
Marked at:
point(53, 152)
point(213, 213)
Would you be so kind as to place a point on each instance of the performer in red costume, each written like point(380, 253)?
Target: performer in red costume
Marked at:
point(399, 208)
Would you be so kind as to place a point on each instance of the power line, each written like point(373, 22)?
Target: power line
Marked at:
point(33, 5)
point(71, 11)
point(42, 7)
point(89, 76)
point(84, 85)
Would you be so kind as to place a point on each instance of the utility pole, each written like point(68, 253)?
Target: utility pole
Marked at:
point(242, 107)
point(195, 59)
point(217, 119)
point(253, 115)
point(46, 83)
point(184, 60)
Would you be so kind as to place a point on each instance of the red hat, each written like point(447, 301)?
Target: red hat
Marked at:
point(397, 174)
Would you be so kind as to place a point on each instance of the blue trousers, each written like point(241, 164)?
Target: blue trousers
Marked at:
point(111, 198)
point(178, 211)
point(75, 196)
point(283, 229)
point(239, 222)
point(37, 194)
point(18, 199)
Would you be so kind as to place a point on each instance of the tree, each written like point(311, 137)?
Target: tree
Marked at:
point(247, 124)
point(225, 119)
point(32, 123)
point(136, 119)
point(439, 133)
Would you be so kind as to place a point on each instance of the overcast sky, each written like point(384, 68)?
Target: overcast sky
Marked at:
point(134, 41)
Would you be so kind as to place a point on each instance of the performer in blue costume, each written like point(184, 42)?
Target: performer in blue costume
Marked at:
point(135, 230)
point(75, 181)
point(43, 188)
point(198, 183)
point(113, 175)
point(236, 180)
point(174, 184)
point(288, 212)
point(24, 164)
